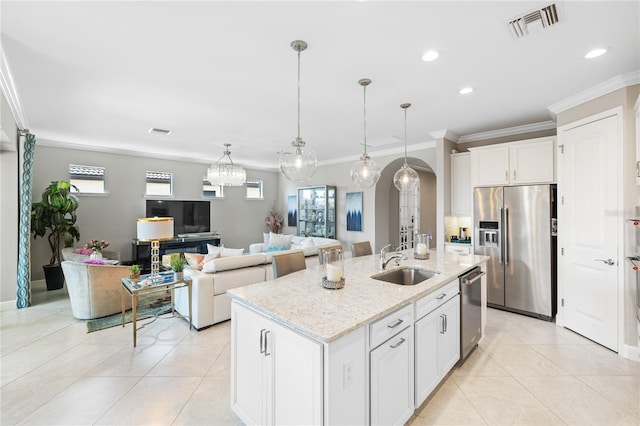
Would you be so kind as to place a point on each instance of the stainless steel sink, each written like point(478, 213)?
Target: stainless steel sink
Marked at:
point(405, 275)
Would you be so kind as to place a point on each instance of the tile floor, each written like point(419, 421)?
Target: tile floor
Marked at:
point(526, 372)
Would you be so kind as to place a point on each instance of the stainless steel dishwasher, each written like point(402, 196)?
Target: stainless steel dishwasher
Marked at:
point(470, 311)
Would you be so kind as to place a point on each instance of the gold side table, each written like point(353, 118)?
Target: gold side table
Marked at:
point(164, 282)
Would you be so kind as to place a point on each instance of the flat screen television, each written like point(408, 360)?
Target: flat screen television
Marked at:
point(189, 217)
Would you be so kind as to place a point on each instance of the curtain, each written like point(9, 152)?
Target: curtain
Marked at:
point(24, 235)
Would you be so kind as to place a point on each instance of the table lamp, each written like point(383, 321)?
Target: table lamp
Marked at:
point(155, 229)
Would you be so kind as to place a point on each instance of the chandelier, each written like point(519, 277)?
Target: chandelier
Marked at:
point(299, 165)
point(406, 179)
point(365, 172)
point(226, 174)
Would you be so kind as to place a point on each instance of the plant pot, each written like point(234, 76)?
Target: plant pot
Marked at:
point(134, 276)
point(54, 277)
point(96, 255)
point(178, 276)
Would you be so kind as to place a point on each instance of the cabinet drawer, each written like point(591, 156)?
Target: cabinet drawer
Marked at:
point(390, 325)
point(432, 301)
point(457, 248)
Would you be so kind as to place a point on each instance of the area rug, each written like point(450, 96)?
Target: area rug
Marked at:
point(116, 319)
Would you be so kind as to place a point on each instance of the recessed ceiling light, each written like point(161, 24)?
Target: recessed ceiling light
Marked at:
point(595, 53)
point(466, 90)
point(431, 55)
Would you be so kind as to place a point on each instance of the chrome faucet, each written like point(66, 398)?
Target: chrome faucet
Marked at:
point(384, 260)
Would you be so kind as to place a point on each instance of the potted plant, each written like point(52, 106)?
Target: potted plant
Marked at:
point(134, 272)
point(177, 266)
point(56, 214)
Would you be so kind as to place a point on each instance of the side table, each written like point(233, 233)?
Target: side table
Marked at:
point(163, 282)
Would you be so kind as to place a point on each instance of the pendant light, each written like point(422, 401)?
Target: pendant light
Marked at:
point(299, 165)
point(365, 172)
point(406, 179)
point(226, 174)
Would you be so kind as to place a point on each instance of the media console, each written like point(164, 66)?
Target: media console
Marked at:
point(141, 250)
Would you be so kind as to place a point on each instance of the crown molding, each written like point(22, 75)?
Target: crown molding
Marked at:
point(11, 93)
point(601, 89)
point(509, 131)
point(381, 153)
point(445, 134)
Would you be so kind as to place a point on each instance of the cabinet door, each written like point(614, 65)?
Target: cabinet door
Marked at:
point(490, 166)
point(532, 162)
point(449, 345)
point(392, 381)
point(427, 373)
point(461, 194)
point(297, 378)
point(247, 372)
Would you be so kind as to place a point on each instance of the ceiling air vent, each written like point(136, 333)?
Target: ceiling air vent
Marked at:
point(535, 19)
point(161, 131)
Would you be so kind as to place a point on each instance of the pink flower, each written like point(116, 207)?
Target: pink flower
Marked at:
point(96, 245)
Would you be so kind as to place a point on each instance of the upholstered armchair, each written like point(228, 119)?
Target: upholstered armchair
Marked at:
point(94, 290)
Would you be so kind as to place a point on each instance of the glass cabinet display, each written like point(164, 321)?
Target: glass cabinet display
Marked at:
point(317, 211)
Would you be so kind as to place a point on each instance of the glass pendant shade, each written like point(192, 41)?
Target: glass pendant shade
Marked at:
point(365, 172)
point(406, 179)
point(226, 174)
point(300, 164)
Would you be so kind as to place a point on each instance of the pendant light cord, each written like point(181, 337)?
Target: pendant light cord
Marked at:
point(298, 94)
point(365, 120)
point(405, 136)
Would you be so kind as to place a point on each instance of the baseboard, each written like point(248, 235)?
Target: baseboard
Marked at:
point(630, 352)
point(9, 305)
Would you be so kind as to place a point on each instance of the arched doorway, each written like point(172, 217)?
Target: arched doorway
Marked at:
point(387, 214)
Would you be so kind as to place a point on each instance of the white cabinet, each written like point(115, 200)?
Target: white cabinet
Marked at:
point(392, 381)
point(461, 193)
point(260, 348)
point(515, 163)
point(391, 368)
point(437, 339)
point(637, 110)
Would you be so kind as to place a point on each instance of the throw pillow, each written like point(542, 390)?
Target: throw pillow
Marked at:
point(194, 260)
point(229, 252)
point(265, 238)
point(306, 243)
point(211, 249)
point(278, 242)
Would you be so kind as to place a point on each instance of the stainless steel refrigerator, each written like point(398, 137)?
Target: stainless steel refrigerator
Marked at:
point(516, 227)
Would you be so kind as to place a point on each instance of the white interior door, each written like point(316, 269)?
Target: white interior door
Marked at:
point(588, 222)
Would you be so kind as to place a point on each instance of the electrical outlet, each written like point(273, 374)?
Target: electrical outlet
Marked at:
point(347, 373)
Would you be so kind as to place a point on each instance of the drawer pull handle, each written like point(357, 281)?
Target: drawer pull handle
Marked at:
point(262, 348)
point(395, 324)
point(442, 296)
point(398, 344)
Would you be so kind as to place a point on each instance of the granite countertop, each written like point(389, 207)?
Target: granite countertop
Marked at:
point(299, 300)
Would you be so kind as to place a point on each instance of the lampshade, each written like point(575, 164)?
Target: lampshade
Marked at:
point(299, 165)
point(155, 228)
point(406, 179)
point(226, 174)
point(365, 172)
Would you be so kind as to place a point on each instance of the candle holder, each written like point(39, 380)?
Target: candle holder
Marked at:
point(421, 247)
point(333, 269)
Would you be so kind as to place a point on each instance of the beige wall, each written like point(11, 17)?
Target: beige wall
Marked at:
point(113, 217)
point(9, 207)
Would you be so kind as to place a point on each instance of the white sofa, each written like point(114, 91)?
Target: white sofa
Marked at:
point(210, 303)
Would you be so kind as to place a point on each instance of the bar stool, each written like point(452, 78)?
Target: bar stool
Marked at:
point(287, 263)
point(361, 249)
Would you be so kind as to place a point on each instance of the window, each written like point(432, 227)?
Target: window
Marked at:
point(88, 179)
point(254, 189)
point(159, 183)
point(211, 191)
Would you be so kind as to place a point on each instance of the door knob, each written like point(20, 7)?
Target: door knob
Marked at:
point(609, 262)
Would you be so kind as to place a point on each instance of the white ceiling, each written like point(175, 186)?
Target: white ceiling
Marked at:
point(103, 73)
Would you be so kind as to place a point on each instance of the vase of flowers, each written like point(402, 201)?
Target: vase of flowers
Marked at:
point(274, 221)
point(96, 248)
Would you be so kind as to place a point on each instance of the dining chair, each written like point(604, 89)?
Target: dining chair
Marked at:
point(287, 263)
point(361, 249)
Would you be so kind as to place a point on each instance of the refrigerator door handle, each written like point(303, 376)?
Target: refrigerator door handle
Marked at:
point(505, 231)
point(501, 235)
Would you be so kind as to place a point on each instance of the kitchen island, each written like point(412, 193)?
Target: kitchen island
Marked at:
point(365, 354)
